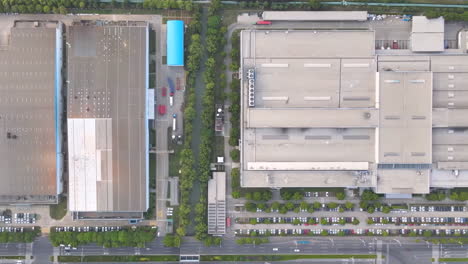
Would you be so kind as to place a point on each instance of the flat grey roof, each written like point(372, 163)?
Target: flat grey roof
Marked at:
point(307, 43)
point(300, 179)
point(217, 204)
point(315, 15)
point(310, 118)
point(427, 35)
point(422, 24)
point(337, 82)
point(27, 97)
point(403, 181)
point(308, 145)
point(107, 124)
point(317, 114)
point(405, 117)
point(427, 42)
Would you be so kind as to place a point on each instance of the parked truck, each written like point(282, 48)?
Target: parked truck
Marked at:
point(263, 22)
point(174, 122)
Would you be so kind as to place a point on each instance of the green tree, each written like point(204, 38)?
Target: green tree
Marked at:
point(314, 4)
point(253, 221)
point(340, 196)
point(386, 209)
point(342, 221)
point(317, 205)
point(297, 196)
point(332, 205)
point(349, 205)
point(370, 221)
point(324, 232)
point(355, 221)
point(371, 209)
point(324, 221)
point(289, 206)
point(275, 206)
point(368, 195)
point(235, 155)
point(250, 207)
point(341, 209)
point(427, 233)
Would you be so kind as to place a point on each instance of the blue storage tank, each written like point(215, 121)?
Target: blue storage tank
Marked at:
point(175, 43)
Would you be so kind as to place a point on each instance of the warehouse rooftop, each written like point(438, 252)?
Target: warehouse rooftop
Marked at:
point(319, 113)
point(30, 63)
point(107, 123)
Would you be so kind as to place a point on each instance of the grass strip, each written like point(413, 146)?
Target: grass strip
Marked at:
point(280, 257)
point(12, 257)
point(453, 259)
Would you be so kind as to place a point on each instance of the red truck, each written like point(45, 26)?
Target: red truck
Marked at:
point(162, 109)
point(263, 22)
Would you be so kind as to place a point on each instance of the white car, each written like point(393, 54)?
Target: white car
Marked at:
point(275, 249)
point(297, 250)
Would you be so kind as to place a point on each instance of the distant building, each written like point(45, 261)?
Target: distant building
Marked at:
point(326, 109)
point(108, 117)
point(31, 159)
point(175, 43)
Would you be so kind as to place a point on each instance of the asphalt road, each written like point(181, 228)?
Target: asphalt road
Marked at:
point(395, 251)
point(42, 250)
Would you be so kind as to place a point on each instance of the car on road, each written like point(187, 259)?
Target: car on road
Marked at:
point(162, 109)
point(275, 249)
point(297, 250)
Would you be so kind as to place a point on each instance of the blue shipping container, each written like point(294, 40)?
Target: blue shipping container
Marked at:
point(175, 43)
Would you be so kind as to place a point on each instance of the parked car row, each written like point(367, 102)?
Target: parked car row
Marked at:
point(5, 219)
point(11, 229)
point(438, 208)
point(420, 220)
point(351, 232)
point(87, 228)
point(24, 218)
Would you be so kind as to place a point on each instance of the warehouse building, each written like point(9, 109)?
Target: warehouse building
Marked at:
point(107, 116)
point(316, 113)
point(30, 113)
point(175, 43)
point(217, 204)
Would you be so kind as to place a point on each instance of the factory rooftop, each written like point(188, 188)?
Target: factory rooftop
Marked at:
point(30, 106)
point(315, 15)
point(107, 122)
point(317, 113)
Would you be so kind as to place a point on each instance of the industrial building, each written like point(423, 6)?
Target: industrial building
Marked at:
point(108, 116)
point(217, 204)
point(30, 112)
point(314, 15)
point(317, 113)
point(175, 43)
